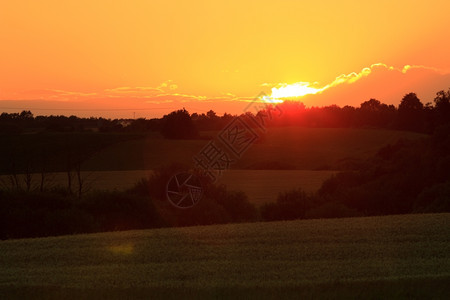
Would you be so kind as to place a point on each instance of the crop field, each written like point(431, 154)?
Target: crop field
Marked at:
point(280, 148)
point(405, 256)
point(261, 186)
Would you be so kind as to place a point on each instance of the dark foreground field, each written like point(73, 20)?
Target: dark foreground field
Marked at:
point(404, 256)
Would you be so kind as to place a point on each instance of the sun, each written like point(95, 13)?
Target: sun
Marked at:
point(295, 90)
point(284, 91)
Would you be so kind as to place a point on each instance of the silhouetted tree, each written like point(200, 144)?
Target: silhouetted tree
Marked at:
point(178, 125)
point(375, 113)
point(26, 115)
point(442, 107)
point(411, 113)
point(373, 105)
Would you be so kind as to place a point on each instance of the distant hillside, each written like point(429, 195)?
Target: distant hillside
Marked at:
point(53, 152)
point(280, 148)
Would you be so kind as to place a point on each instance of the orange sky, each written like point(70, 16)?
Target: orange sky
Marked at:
point(116, 58)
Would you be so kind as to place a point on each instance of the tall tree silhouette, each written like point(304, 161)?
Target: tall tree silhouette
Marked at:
point(442, 109)
point(411, 113)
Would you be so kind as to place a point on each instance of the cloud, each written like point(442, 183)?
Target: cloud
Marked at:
point(126, 96)
point(378, 80)
point(168, 84)
point(139, 89)
point(53, 95)
point(353, 77)
point(175, 97)
point(70, 93)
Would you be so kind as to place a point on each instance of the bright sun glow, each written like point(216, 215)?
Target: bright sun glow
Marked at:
point(270, 99)
point(295, 90)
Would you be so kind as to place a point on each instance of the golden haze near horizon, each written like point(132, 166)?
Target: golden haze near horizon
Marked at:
point(110, 58)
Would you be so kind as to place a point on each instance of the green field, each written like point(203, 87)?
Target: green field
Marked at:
point(281, 148)
point(404, 256)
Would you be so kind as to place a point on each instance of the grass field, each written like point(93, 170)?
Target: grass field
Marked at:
point(261, 186)
point(281, 148)
point(404, 256)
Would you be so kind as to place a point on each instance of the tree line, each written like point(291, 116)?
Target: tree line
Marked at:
point(411, 114)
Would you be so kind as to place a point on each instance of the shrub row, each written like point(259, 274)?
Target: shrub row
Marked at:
point(37, 214)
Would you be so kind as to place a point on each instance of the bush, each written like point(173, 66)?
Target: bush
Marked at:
point(120, 211)
point(235, 203)
point(65, 221)
point(289, 205)
point(332, 210)
point(46, 214)
point(155, 184)
point(41, 214)
point(217, 205)
point(206, 212)
point(434, 199)
point(335, 183)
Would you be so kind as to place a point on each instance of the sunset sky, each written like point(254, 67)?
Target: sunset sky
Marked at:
point(147, 58)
